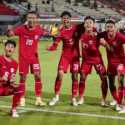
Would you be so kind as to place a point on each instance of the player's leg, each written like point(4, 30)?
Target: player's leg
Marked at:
point(100, 68)
point(16, 99)
point(121, 72)
point(38, 89)
point(113, 91)
point(85, 70)
point(112, 86)
point(23, 89)
point(23, 71)
point(62, 68)
point(57, 87)
point(112, 72)
point(74, 88)
point(75, 69)
point(36, 71)
point(16, 92)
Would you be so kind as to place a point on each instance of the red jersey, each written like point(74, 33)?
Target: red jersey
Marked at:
point(90, 53)
point(116, 55)
point(28, 40)
point(8, 68)
point(70, 46)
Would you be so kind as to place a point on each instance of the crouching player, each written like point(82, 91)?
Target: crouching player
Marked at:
point(69, 57)
point(8, 68)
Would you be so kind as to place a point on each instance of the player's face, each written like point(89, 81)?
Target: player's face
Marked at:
point(66, 20)
point(89, 25)
point(32, 20)
point(110, 28)
point(9, 50)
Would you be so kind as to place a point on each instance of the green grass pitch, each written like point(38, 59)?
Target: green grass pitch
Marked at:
point(63, 113)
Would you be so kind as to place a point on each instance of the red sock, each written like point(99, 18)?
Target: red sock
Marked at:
point(22, 87)
point(16, 98)
point(38, 87)
point(120, 93)
point(57, 86)
point(115, 96)
point(81, 88)
point(75, 88)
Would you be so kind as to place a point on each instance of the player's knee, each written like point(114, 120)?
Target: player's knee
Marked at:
point(82, 77)
point(111, 82)
point(37, 76)
point(60, 75)
point(121, 79)
point(104, 75)
point(74, 76)
point(22, 77)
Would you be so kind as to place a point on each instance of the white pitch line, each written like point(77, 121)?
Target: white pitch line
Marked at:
point(68, 113)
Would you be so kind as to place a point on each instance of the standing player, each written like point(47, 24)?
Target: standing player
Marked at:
point(91, 57)
point(8, 68)
point(29, 35)
point(69, 57)
point(113, 41)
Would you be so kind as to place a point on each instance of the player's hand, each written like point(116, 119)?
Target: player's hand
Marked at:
point(84, 45)
point(51, 48)
point(111, 48)
point(13, 78)
point(9, 27)
point(103, 42)
point(13, 85)
point(5, 78)
point(10, 30)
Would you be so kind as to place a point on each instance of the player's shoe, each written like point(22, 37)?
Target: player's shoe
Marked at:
point(74, 102)
point(118, 107)
point(81, 101)
point(122, 110)
point(22, 102)
point(39, 102)
point(14, 113)
point(104, 103)
point(54, 101)
point(113, 103)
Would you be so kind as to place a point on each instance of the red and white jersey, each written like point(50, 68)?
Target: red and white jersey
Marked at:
point(28, 40)
point(91, 52)
point(116, 55)
point(70, 46)
point(7, 68)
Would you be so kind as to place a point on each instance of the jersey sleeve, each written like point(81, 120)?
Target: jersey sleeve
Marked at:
point(55, 43)
point(18, 30)
point(1, 74)
point(15, 65)
point(122, 38)
point(3, 68)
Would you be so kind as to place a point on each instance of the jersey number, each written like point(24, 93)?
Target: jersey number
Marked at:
point(29, 42)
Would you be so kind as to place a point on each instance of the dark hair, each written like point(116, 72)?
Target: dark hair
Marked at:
point(89, 18)
point(10, 42)
point(66, 13)
point(110, 21)
point(32, 12)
